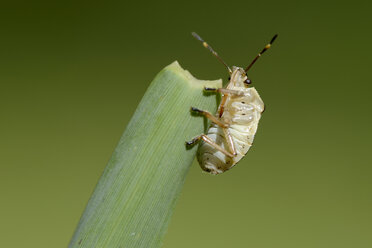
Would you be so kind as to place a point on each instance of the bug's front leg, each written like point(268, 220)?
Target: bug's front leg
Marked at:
point(225, 91)
point(221, 108)
point(205, 138)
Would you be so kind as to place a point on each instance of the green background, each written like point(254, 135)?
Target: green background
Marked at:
point(73, 72)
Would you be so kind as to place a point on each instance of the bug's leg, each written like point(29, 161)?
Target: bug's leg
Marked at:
point(205, 138)
point(229, 141)
point(226, 91)
point(221, 108)
point(211, 117)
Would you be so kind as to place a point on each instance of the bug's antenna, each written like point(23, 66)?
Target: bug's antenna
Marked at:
point(205, 44)
point(259, 55)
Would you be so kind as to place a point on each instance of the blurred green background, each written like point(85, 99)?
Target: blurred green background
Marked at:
point(73, 72)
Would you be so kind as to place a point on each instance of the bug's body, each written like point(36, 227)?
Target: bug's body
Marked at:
point(242, 113)
point(234, 126)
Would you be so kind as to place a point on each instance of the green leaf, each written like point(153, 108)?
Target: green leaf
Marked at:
point(133, 201)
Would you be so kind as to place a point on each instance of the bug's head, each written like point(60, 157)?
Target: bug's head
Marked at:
point(239, 77)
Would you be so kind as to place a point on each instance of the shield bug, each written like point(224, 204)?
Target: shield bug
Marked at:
point(233, 127)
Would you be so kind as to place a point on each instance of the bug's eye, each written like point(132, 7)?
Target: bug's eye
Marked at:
point(247, 81)
point(229, 78)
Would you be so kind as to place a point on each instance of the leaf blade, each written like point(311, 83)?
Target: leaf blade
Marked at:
point(136, 194)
